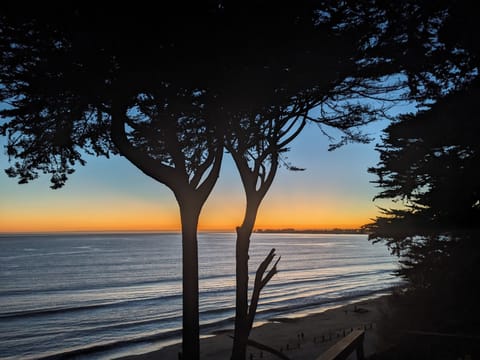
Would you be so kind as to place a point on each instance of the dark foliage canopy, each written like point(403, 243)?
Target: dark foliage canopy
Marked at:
point(62, 69)
point(429, 163)
point(157, 84)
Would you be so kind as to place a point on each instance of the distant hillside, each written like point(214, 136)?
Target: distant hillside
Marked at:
point(313, 231)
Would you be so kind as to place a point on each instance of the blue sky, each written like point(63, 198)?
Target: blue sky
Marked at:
point(335, 190)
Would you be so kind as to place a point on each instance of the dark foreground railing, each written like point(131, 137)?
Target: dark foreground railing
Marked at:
point(343, 348)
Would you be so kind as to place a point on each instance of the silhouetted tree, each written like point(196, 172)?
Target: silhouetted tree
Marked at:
point(179, 147)
point(429, 162)
point(74, 81)
point(125, 80)
point(255, 142)
point(136, 81)
point(329, 75)
point(430, 44)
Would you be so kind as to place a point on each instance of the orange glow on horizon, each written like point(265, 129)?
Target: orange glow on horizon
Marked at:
point(112, 195)
point(142, 217)
point(223, 212)
point(82, 222)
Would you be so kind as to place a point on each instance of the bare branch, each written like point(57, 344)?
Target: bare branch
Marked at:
point(259, 284)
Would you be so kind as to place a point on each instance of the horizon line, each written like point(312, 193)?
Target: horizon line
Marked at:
point(109, 231)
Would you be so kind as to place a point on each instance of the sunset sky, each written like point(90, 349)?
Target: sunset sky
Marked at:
point(113, 195)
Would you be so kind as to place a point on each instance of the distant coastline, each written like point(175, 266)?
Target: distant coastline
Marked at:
point(311, 231)
point(117, 232)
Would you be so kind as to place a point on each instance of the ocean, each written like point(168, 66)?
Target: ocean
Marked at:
point(101, 296)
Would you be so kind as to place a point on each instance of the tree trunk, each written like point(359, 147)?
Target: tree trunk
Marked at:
point(191, 325)
point(240, 337)
point(242, 330)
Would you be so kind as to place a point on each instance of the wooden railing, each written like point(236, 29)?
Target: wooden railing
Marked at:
point(343, 348)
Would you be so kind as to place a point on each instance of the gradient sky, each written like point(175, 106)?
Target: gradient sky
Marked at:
point(113, 195)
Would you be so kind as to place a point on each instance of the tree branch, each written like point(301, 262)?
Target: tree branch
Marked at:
point(206, 187)
point(260, 282)
point(174, 148)
point(202, 168)
point(156, 170)
point(295, 133)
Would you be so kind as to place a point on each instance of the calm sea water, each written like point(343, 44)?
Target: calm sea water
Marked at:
point(99, 296)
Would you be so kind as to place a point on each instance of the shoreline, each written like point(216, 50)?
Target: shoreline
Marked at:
point(297, 336)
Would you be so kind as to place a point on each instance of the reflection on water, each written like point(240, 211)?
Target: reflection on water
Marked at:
point(70, 292)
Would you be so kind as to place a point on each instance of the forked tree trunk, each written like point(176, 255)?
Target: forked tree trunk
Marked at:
point(190, 192)
point(191, 326)
point(245, 323)
point(242, 330)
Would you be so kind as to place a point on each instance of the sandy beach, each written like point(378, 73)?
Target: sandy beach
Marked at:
point(297, 338)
